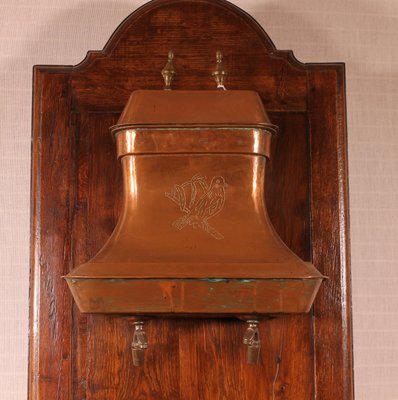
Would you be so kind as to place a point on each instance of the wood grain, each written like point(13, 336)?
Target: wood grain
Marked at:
point(332, 324)
point(76, 197)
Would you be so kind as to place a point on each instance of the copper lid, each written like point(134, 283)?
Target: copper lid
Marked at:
point(194, 108)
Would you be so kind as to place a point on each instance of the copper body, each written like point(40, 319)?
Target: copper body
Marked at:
point(194, 236)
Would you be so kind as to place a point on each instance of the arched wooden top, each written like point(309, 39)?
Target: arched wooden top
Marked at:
point(212, 6)
point(168, 7)
point(137, 51)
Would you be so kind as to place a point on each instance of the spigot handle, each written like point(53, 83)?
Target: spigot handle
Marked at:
point(253, 354)
point(139, 344)
point(251, 338)
point(138, 357)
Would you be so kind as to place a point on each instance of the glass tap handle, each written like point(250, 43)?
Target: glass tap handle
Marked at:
point(139, 344)
point(251, 338)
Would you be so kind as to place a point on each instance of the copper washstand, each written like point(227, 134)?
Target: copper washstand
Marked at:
point(194, 237)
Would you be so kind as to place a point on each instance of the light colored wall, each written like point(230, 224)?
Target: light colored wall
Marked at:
point(362, 33)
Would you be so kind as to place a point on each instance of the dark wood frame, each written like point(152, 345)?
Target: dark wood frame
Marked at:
point(72, 108)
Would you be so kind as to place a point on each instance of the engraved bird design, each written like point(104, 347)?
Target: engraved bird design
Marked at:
point(199, 201)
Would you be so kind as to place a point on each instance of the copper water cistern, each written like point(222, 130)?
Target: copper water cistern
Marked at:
point(193, 237)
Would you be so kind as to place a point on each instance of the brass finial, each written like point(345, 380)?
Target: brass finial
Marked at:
point(219, 73)
point(168, 71)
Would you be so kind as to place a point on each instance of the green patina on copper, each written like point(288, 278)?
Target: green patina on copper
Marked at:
point(282, 283)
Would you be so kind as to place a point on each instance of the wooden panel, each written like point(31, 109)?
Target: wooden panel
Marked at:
point(51, 189)
point(332, 326)
point(76, 197)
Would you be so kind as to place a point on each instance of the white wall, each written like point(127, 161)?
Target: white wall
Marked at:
point(362, 33)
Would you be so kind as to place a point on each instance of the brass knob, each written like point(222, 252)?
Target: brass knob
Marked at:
point(219, 73)
point(168, 71)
